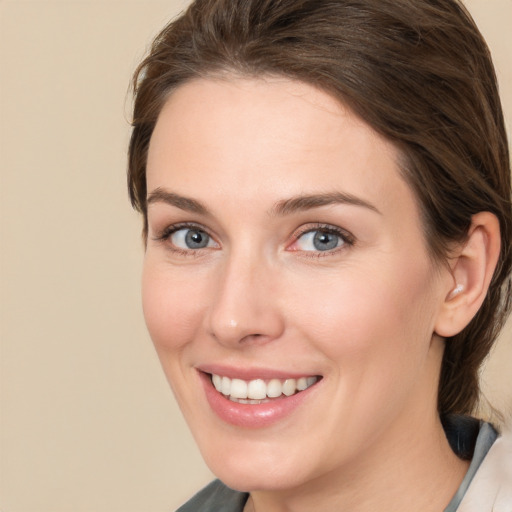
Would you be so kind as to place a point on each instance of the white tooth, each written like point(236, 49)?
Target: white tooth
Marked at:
point(274, 388)
point(226, 386)
point(247, 401)
point(289, 387)
point(311, 381)
point(302, 383)
point(257, 390)
point(238, 388)
point(217, 382)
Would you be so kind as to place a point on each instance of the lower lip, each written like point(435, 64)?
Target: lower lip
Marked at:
point(252, 415)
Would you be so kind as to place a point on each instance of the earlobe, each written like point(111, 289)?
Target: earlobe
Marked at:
point(472, 269)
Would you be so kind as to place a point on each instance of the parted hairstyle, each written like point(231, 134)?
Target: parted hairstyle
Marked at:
point(417, 71)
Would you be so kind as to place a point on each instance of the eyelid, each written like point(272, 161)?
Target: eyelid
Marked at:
point(172, 228)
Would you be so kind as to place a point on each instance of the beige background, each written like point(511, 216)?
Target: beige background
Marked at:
point(87, 421)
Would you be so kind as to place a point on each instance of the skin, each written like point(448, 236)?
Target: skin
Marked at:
point(363, 315)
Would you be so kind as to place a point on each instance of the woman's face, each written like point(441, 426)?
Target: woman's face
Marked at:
point(285, 251)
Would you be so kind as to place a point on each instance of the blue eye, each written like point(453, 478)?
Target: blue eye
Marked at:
point(191, 238)
point(319, 240)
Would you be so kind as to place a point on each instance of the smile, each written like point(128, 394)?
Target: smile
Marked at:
point(256, 398)
point(258, 391)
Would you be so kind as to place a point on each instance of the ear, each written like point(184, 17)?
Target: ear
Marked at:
point(472, 269)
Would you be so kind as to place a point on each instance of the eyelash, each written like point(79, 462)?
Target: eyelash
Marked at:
point(167, 232)
point(346, 237)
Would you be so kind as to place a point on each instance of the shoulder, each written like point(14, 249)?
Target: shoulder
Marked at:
point(215, 497)
point(491, 487)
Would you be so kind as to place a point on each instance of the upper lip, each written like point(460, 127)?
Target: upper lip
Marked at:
point(251, 373)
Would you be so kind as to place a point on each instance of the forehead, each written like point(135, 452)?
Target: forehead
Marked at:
point(257, 140)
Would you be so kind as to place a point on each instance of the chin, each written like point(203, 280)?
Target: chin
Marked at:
point(250, 480)
point(259, 469)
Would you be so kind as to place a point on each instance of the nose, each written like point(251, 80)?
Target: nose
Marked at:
point(245, 305)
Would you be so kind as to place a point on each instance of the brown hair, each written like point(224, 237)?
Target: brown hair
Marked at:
point(417, 71)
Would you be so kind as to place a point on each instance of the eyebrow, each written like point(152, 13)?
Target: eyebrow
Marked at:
point(281, 208)
point(307, 202)
point(159, 195)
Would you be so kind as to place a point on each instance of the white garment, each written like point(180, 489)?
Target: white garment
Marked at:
point(491, 488)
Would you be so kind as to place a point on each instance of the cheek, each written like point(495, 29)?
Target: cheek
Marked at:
point(172, 306)
point(372, 315)
point(375, 329)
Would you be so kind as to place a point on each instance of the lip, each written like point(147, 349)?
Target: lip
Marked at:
point(250, 373)
point(252, 415)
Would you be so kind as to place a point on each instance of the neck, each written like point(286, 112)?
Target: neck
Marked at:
point(412, 469)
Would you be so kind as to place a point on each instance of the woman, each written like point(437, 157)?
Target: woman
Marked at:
point(325, 188)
